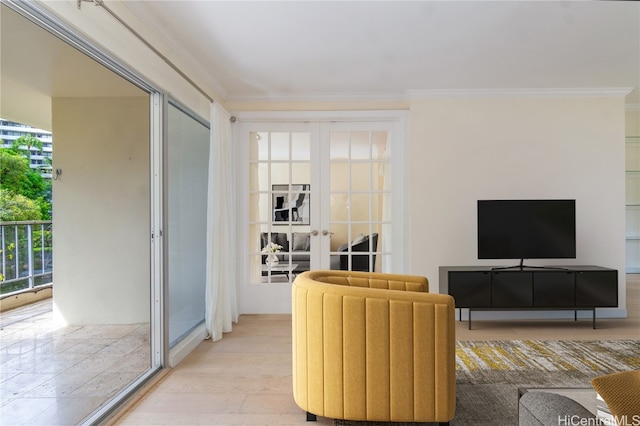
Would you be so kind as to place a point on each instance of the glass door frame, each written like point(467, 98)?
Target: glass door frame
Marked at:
point(40, 16)
point(256, 298)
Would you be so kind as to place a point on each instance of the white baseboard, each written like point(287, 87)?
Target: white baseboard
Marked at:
point(186, 345)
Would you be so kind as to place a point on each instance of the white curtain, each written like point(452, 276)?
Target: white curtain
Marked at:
point(221, 301)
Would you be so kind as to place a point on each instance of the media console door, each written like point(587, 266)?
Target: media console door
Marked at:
point(554, 289)
point(511, 289)
point(597, 288)
point(470, 288)
point(559, 288)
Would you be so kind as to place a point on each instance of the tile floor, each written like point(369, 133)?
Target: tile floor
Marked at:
point(245, 378)
point(57, 376)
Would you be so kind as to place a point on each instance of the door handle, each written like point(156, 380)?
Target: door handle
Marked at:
point(325, 232)
point(314, 232)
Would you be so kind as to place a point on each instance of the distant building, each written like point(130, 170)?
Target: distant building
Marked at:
point(10, 131)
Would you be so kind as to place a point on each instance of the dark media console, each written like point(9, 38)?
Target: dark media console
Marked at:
point(574, 288)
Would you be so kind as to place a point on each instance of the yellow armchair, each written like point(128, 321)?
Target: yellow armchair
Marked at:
point(372, 346)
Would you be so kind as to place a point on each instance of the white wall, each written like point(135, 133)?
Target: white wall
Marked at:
point(101, 229)
point(462, 150)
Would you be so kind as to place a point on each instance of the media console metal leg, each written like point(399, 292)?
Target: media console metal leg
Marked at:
point(594, 318)
point(469, 318)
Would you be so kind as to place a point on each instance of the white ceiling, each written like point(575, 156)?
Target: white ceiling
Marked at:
point(267, 49)
point(345, 49)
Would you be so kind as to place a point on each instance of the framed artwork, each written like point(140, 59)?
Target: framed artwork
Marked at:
point(290, 204)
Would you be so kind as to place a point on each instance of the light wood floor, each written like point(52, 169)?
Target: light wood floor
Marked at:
point(245, 378)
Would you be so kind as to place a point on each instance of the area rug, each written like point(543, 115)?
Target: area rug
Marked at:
point(489, 373)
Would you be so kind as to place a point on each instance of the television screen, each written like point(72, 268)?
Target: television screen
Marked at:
point(526, 229)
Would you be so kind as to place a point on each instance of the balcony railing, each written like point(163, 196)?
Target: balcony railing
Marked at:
point(26, 253)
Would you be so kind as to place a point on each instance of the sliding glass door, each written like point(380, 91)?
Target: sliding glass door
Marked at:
point(98, 340)
point(187, 160)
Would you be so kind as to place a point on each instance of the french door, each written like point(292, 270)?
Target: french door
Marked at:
point(320, 196)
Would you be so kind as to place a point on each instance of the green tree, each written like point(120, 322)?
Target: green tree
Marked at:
point(29, 141)
point(13, 170)
point(17, 178)
point(16, 207)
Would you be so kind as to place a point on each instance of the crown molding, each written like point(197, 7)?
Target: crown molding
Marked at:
point(594, 92)
point(319, 97)
point(599, 92)
point(331, 116)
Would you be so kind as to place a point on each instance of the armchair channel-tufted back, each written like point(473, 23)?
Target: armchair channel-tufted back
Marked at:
point(373, 346)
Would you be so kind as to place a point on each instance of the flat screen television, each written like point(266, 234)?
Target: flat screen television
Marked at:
point(526, 229)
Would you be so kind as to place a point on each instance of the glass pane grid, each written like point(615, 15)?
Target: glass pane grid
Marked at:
point(362, 158)
point(286, 162)
point(358, 190)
